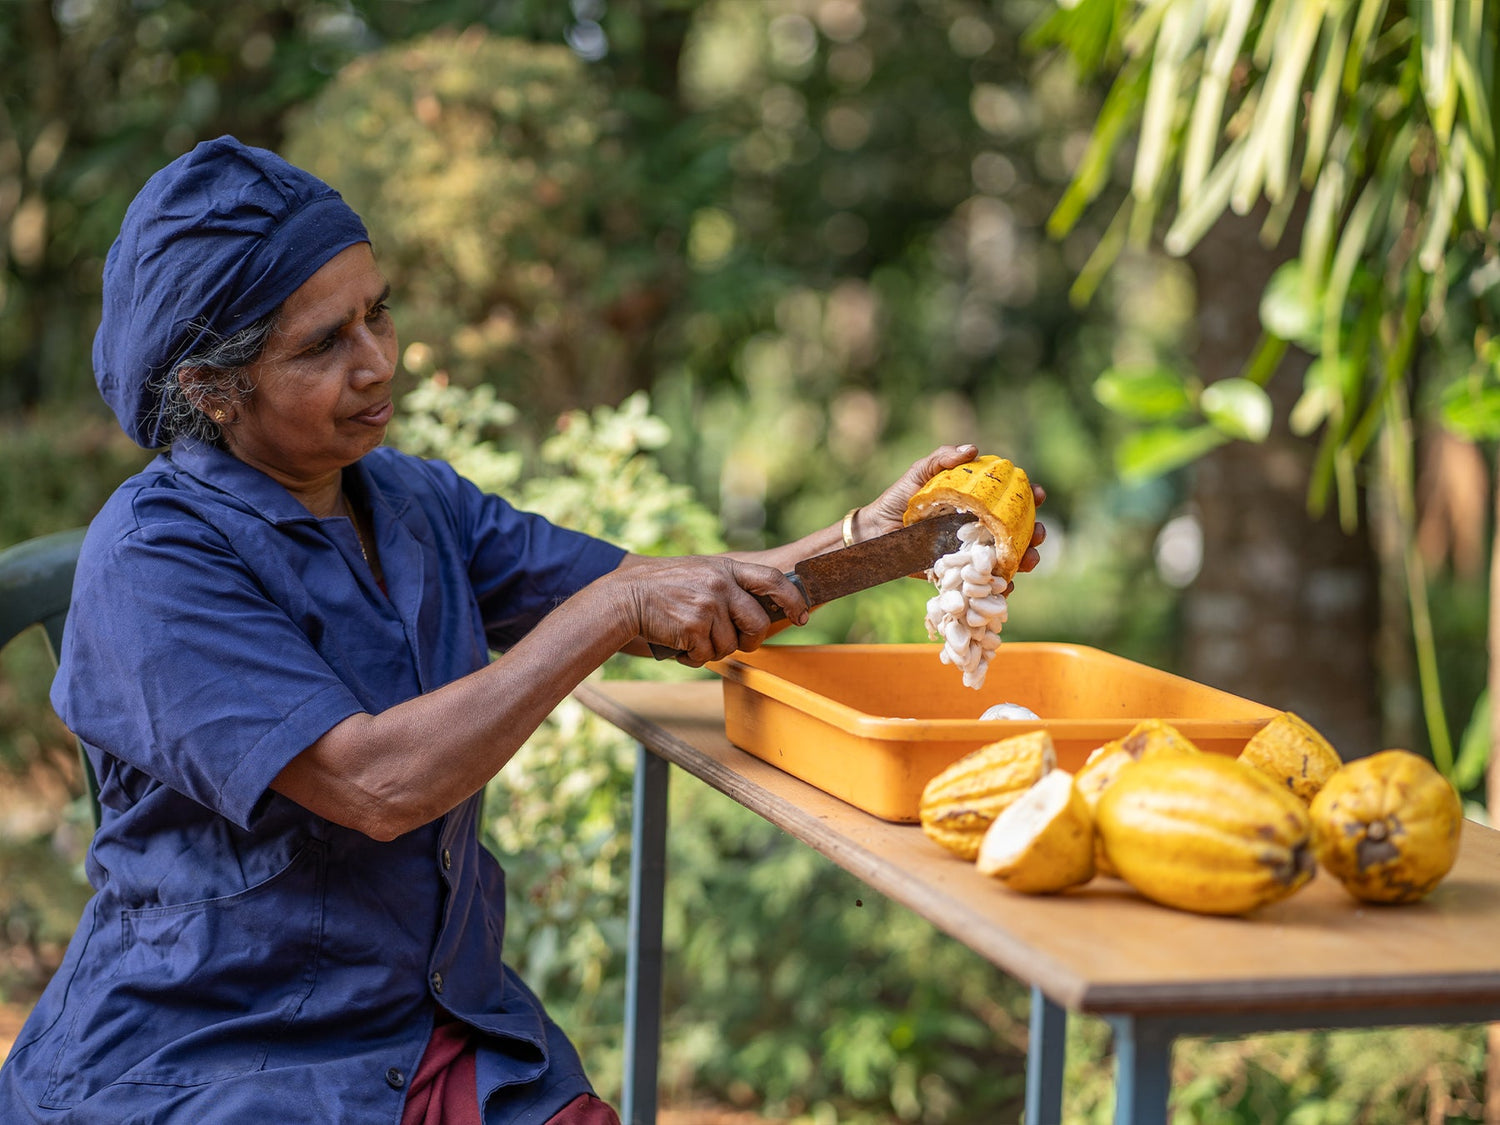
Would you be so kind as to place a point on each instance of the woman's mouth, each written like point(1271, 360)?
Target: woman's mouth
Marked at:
point(376, 415)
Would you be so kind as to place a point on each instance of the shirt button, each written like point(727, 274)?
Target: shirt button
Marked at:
point(447, 859)
point(437, 982)
point(394, 1078)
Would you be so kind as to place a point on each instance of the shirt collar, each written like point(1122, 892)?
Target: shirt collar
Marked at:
point(220, 470)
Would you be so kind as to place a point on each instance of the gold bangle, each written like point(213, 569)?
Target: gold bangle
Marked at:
point(849, 527)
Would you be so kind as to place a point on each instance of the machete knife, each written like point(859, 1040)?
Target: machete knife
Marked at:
point(848, 570)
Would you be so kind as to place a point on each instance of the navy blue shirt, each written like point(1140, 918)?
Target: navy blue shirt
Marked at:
point(244, 960)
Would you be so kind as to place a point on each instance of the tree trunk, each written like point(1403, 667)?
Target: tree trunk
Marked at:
point(1285, 610)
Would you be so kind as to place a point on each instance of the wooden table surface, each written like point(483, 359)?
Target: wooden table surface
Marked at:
point(1102, 949)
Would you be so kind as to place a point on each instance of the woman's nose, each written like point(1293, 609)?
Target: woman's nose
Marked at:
point(374, 355)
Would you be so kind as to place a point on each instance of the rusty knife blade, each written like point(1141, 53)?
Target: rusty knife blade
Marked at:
point(848, 570)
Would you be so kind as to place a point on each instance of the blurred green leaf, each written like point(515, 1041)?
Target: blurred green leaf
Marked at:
point(1439, 88)
point(1264, 361)
point(1180, 28)
point(1473, 747)
point(1208, 101)
point(1121, 110)
point(1289, 307)
point(1150, 453)
point(1472, 409)
point(1327, 74)
point(1322, 392)
point(1086, 30)
point(1238, 408)
point(1201, 210)
point(1267, 164)
point(1148, 394)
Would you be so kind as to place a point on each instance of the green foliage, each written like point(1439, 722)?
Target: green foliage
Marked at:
point(597, 475)
point(42, 895)
point(791, 979)
point(1470, 404)
point(1373, 121)
point(481, 196)
point(594, 473)
point(1144, 393)
point(93, 99)
point(1375, 1077)
point(57, 467)
point(1382, 114)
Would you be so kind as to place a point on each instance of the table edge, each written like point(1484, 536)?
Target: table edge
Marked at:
point(1299, 1002)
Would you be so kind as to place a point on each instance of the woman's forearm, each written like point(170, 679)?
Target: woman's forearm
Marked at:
point(387, 774)
point(785, 557)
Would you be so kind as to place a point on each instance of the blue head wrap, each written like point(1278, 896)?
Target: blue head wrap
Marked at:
point(214, 242)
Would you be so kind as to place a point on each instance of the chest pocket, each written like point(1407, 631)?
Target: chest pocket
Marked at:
point(198, 991)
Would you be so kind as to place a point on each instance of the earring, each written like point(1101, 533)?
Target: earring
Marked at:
point(218, 416)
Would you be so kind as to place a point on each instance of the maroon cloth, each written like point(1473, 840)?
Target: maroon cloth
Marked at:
point(444, 1092)
point(585, 1109)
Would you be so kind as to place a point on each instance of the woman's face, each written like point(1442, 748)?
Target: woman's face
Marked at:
point(322, 387)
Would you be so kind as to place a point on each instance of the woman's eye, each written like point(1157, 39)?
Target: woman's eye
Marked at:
point(324, 345)
point(378, 313)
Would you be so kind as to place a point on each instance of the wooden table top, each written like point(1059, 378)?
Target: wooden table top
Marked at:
point(1101, 948)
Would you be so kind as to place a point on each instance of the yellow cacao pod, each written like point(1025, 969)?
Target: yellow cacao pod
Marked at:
point(1155, 736)
point(960, 803)
point(1291, 752)
point(1146, 739)
point(993, 489)
point(1043, 842)
point(1097, 774)
point(1388, 826)
point(1205, 833)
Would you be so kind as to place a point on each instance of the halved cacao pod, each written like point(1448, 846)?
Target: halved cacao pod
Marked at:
point(1043, 842)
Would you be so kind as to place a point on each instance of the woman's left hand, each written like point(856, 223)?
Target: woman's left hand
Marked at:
point(887, 511)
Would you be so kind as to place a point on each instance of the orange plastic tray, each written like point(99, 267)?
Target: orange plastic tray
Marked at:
point(872, 724)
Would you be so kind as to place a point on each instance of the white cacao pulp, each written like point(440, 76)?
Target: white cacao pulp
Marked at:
point(968, 609)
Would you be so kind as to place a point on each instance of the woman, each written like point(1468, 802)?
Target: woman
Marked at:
point(278, 661)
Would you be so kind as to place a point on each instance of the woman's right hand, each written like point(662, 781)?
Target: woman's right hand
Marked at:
point(703, 606)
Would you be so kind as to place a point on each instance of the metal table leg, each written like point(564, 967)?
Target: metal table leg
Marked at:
point(1046, 1055)
point(1143, 1070)
point(648, 870)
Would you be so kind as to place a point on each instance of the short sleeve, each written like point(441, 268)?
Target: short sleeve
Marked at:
point(176, 662)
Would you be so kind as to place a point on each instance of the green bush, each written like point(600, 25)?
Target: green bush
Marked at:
point(1365, 1077)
